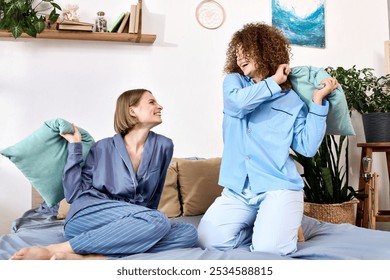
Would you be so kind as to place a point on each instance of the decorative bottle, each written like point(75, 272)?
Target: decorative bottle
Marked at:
point(101, 23)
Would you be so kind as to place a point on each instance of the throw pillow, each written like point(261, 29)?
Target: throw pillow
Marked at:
point(198, 184)
point(41, 157)
point(169, 201)
point(63, 209)
point(305, 79)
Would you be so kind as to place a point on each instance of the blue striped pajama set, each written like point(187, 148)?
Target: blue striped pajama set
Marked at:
point(113, 209)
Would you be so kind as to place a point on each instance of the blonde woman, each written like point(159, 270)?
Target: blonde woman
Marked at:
point(114, 196)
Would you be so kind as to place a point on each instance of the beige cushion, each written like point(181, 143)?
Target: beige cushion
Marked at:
point(36, 198)
point(63, 209)
point(198, 184)
point(169, 202)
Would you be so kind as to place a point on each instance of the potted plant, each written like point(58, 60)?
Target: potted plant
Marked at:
point(370, 96)
point(325, 175)
point(327, 195)
point(20, 16)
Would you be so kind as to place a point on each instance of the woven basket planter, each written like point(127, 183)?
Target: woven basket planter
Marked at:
point(337, 213)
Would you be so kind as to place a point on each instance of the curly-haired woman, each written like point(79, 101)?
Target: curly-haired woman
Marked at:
point(262, 201)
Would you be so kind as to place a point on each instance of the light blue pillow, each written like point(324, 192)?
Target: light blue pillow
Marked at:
point(41, 157)
point(305, 79)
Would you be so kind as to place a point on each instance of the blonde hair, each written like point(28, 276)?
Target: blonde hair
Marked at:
point(123, 121)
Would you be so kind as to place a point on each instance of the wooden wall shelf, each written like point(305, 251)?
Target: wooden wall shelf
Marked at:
point(88, 36)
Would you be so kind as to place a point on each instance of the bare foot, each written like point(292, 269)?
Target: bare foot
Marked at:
point(69, 256)
point(32, 253)
point(59, 251)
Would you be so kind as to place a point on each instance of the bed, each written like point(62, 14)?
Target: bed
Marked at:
point(324, 241)
point(191, 186)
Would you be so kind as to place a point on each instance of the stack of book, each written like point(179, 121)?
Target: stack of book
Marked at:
point(75, 25)
point(129, 22)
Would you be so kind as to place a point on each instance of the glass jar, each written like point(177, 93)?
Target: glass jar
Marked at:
point(101, 23)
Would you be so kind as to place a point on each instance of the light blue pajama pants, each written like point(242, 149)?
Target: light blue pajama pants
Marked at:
point(267, 222)
point(117, 229)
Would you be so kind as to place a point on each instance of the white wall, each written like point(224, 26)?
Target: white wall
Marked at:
point(80, 80)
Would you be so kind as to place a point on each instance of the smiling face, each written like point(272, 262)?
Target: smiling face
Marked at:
point(247, 65)
point(147, 111)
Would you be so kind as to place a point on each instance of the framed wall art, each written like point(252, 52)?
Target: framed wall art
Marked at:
point(302, 21)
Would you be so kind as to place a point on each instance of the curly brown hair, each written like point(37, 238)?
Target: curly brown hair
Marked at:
point(266, 44)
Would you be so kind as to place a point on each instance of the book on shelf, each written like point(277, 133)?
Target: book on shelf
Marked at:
point(133, 16)
point(138, 15)
point(117, 23)
point(75, 27)
point(124, 23)
point(74, 22)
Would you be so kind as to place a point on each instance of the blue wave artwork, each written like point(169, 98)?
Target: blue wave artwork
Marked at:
point(302, 22)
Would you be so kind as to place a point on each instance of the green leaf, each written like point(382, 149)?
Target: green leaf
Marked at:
point(31, 32)
point(16, 31)
point(328, 184)
point(20, 4)
point(53, 16)
point(56, 6)
point(40, 25)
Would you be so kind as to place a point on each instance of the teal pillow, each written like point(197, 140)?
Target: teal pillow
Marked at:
point(305, 79)
point(41, 157)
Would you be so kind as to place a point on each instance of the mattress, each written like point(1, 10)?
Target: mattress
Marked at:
point(324, 241)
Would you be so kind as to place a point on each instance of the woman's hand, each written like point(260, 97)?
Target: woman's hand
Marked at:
point(330, 84)
point(281, 73)
point(73, 137)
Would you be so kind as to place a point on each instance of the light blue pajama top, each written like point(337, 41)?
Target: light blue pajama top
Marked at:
point(260, 124)
point(109, 174)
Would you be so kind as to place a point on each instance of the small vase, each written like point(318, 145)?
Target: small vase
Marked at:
point(101, 23)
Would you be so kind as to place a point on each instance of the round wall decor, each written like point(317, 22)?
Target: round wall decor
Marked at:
point(210, 14)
